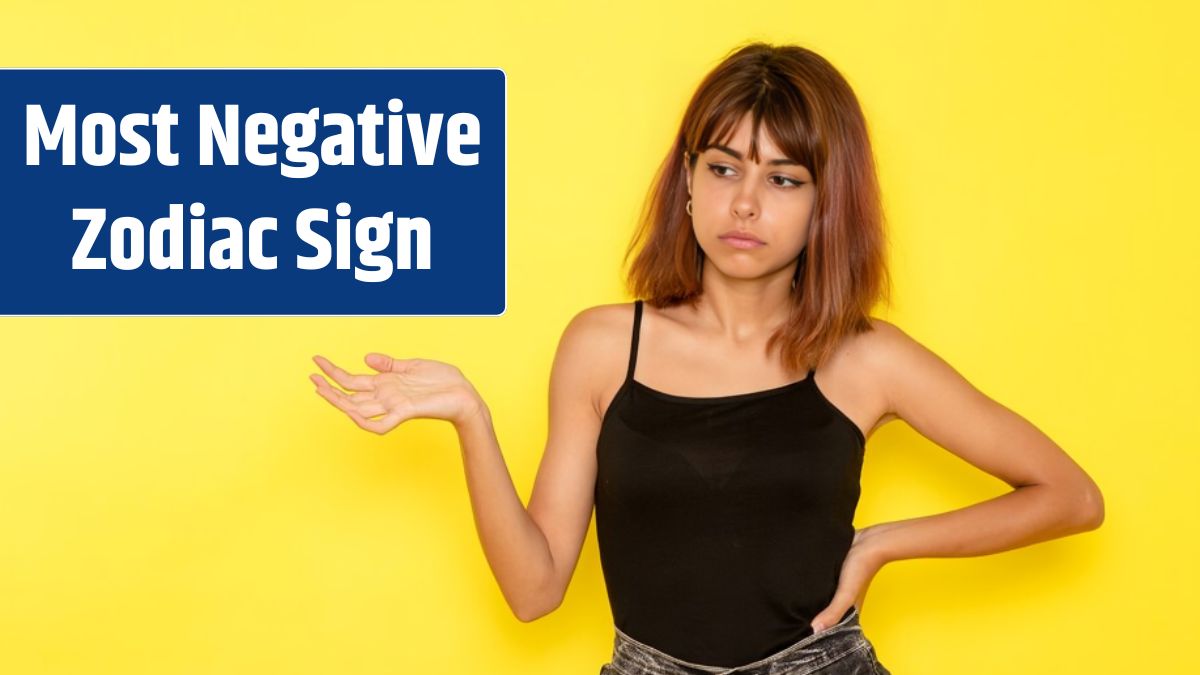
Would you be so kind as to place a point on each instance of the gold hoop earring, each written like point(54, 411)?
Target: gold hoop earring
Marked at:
point(689, 207)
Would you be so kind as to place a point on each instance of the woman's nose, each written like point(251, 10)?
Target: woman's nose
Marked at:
point(745, 205)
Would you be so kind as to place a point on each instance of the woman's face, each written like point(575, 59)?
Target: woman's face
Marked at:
point(751, 218)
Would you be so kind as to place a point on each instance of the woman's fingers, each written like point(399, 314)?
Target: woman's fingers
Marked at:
point(386, 364)
point(360, 400)
point(360, 403)
point(379, 426)
point(331, 394)
point(371, 409)
point(346, 380)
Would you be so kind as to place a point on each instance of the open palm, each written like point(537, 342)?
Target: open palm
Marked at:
point(401, 389)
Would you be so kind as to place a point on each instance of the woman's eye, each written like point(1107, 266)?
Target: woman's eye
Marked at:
point(784, 181)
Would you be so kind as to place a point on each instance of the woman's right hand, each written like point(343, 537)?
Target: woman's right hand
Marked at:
point(402, 389)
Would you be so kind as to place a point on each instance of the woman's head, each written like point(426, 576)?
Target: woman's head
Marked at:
point(751, 202)
point(773, 144)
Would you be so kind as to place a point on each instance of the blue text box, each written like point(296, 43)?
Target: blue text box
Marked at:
point(437, 197)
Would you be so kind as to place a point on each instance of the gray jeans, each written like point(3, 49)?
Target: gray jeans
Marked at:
point(841, 649)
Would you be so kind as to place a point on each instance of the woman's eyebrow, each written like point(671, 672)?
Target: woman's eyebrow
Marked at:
point(738, 156)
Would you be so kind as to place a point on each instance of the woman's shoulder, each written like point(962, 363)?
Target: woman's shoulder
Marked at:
point(877, 359)
point(599, 316)
point(863, 353)
point(885, 343)
point(855, 376)
point(597, 327)
point(593, 350)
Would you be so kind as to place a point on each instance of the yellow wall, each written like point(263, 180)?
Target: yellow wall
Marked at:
point(174, 498)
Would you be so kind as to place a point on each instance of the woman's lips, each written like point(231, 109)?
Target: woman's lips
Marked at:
point(741, 242)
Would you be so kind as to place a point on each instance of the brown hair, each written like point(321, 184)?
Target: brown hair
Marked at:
point(814, 117)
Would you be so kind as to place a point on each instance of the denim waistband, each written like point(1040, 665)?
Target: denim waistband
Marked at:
point(816, 651)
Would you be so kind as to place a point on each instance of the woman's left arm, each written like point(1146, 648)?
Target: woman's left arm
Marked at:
point(1053, 496)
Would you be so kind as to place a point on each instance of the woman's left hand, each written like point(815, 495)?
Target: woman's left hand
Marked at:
point(861, 565)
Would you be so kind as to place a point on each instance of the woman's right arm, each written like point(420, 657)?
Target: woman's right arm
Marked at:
point(532, 551)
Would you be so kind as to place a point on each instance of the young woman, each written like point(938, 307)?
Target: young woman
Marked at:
point(717, 425)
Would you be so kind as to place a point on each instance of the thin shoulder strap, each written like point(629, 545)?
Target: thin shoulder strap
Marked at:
point(633, 344)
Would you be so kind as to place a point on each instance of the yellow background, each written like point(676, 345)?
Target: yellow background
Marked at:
point(174, 498)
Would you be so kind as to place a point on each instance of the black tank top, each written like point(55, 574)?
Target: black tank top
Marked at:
point(723, 521)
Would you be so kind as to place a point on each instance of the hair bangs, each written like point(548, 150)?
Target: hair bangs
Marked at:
point(778, 109)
